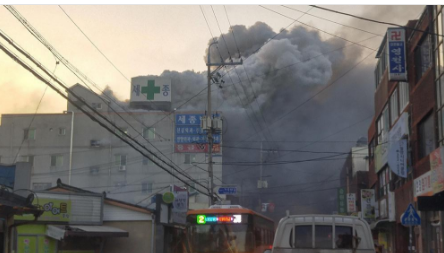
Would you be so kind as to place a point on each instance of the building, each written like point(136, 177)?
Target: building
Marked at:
point(354, 174)
point(101, 162)
point(408, 110)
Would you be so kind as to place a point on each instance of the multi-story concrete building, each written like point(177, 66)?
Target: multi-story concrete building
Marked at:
point(410, 110)
point(100, 161)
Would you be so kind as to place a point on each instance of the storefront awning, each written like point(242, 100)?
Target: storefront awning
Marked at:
point(59, 232)
point(379, 223)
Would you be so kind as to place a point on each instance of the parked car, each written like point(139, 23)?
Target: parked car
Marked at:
point(322, 234)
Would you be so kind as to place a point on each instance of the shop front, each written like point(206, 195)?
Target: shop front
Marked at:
point(70, 223)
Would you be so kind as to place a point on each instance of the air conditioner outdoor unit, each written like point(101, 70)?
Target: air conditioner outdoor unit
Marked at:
point(95, 144)
point(122, 168)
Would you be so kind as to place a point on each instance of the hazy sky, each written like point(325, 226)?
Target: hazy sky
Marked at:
point(142, 40)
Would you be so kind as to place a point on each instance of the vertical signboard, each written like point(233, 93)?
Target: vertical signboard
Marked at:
point(423, 186)
point(190, 137)
point(180, 205)
point(397, 65)
point(436, 167)
point(368, 204)
point(351, 202)
point(342, 198)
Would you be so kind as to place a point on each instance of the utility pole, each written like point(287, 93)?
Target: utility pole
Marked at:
point(209, 119)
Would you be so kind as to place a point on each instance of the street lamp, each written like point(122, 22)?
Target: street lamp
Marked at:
point(70, 145)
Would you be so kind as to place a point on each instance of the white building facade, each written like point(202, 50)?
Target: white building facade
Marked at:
point(100, 161)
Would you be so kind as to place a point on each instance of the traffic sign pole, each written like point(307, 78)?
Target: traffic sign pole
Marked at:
point(410, 239)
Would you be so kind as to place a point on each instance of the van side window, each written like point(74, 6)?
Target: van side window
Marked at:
point(344, 237)
point(303, 238)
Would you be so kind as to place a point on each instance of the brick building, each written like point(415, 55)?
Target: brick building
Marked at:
point(411, 110)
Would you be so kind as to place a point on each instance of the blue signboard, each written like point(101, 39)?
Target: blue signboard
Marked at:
point(187, 139)
point(396, 54)
point(7, 175)
point(410, 217)
point(227, 190)
point(188, 130)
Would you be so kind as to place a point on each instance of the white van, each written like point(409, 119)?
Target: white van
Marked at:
point(322, 234)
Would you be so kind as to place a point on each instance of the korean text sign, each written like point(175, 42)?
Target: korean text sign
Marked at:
point(397, 65)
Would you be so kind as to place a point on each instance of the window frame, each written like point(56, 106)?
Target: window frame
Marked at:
point(189, 159)
point(62, 131)
point(27, 132)
point(422, 144)
point(147, 187)
point(146, 131)
point(118, 162)
point(55, 161)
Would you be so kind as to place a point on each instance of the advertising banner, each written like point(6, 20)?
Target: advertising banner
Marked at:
point(436, 167)
point(397, 65)
point(180, 205)
point(351, 202)
point(368, 204)
point(391, 206)
point(195, 148)
point(54, 210)
point(381, 155)
point(397, 159)
point(423, 186)
point(150, 89)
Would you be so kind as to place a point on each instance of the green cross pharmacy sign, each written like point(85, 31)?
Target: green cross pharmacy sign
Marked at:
point(150, 89)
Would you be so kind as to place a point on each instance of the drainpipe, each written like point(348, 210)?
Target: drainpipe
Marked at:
point(153, 225)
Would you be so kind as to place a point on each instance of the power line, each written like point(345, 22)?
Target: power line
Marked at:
point(86, 36)
point(331, 34)
point(375, 21)
point(317, 93)
point(232, 32)
point(35, 33)
point(37, 75)
point(223, 37)
point(332, 21)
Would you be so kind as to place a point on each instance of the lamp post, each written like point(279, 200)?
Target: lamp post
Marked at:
point(70, 146)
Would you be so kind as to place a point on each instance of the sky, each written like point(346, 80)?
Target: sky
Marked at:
point(143, 40)
point(172, 41)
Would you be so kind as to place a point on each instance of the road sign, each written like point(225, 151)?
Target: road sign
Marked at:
point(228, 190)
point(410, 217)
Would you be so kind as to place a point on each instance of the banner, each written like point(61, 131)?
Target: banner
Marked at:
point(368, 204)
point(180, 205)
point(437, 169)
point(397, 158)
point(351, 202)
point(423, 186)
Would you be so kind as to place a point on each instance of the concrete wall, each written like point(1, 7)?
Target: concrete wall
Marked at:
point(139, 240)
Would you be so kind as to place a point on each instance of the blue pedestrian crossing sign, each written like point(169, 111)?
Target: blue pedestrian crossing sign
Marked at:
point(410, 217)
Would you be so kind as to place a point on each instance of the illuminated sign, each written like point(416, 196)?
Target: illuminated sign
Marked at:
point(204, 219)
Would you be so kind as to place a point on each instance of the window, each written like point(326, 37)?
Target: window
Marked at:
point(62, 131)
point(303, 237)
point(119, 160)
point(26, 159)
point(40, 186)
point(394, 112)
point(372, 149)
point(97, 105)
point(384, 180)
point(344, 237)
point(94, 170)
point(381, 66)
point(120, 184)
point(426, 136)
point(323, 237)
point(147, 187)
point(29, 134)
point(190, 158)
point(56, 160)
point(422, 57)
point(149, 133)
point(404, 94)
point(382, 125)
